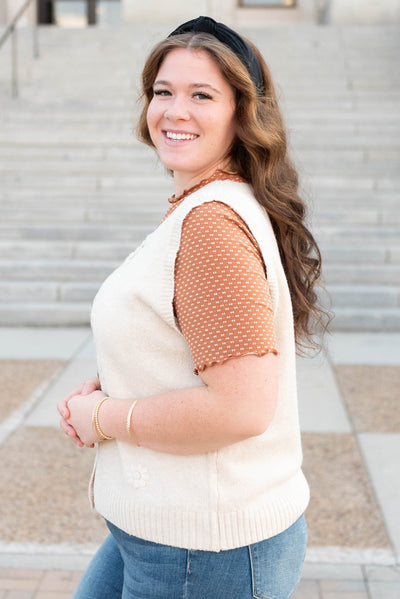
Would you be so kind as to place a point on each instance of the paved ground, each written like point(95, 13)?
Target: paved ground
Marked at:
point(351, 436)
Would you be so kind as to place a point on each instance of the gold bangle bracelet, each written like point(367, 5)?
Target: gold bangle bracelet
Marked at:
point(129, 424)
point(95, 421)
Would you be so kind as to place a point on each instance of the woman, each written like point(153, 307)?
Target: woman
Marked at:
point(198, 471)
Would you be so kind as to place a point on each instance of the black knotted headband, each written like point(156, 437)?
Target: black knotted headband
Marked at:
point(231, 39)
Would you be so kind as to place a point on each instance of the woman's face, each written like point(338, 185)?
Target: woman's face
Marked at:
point(191, 116)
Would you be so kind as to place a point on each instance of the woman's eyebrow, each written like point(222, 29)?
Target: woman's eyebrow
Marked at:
point(192, 85)
point(207, 85)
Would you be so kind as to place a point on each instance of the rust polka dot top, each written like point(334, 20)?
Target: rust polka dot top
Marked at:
point(221, 300)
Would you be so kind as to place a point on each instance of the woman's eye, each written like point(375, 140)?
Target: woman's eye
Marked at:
point(202, 96)
point(161, 92)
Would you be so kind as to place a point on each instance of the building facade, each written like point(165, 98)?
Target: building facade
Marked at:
point(266, 12)
point(242, 13)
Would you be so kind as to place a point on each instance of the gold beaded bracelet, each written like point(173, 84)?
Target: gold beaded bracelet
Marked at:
point(128, 423)
point(96, 423)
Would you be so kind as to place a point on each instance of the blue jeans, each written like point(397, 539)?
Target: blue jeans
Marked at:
point(126, 567)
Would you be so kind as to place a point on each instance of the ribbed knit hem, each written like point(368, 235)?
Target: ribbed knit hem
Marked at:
point(208, 531)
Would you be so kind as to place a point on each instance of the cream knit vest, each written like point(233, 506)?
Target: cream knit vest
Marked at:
point(236, 496)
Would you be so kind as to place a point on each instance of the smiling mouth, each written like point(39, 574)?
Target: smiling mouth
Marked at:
point(180, 136)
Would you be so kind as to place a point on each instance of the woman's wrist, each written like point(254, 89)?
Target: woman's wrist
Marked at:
point(116, 419)
point(130, 428)
point(97, 429)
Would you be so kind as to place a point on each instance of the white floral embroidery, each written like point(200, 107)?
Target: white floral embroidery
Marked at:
point(138, 476)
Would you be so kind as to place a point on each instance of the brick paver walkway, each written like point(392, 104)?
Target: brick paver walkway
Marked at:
point(321, 581)
point(351, 436)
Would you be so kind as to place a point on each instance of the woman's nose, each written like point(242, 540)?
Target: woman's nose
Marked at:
point(177, 109)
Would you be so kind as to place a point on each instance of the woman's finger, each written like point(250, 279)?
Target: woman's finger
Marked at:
point(84, 388)
point(70, 432)
point(62, 405)
point(90, 385)
point(67, 428)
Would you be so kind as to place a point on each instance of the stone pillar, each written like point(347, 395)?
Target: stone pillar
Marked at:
point(91, 12)
point(371, 12)
point(45, 12)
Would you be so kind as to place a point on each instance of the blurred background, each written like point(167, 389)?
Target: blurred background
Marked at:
point(73, 173)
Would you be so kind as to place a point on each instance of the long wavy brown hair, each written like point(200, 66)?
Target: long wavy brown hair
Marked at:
point(259, 154)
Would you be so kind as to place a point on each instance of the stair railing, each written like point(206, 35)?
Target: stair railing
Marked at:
point(11, 31)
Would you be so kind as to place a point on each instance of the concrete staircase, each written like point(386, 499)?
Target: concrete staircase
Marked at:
point(78, 192)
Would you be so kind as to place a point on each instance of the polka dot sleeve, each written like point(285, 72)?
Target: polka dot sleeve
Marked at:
point(222, 300)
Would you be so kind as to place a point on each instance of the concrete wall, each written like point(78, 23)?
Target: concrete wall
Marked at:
point(305, 11)
point(229, 11)
point(364, 11)
point(161, 10)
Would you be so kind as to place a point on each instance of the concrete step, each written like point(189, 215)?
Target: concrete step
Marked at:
point(316, 195)
point(147, 195)
point(67, 250)
point(331, 158)
point(133, 216)
point(39, 249)
point(358, 237)
point(99, 228)
point(327, 116)
point(356, 124)
point(115, 132)
point(94, 182)
point(43, 292)
point(330, 70)
point(340, 184)
point(359, 218)
point(155, 200)
point(79, 290)
point(75, 232)
point(56, 270)
point(339, 254)
point(307, 102)
point(89, 270)
point(45, 314)
point(83, 182)
point(364, 296)
point(386, 274)
point(42, 163)
point(68, 215)
point(358, 164)
point(132, 210)
point(78, 314)
point(366, 319)
point(321, 199)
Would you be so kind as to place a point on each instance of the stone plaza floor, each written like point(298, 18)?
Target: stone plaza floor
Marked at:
point(350, 420)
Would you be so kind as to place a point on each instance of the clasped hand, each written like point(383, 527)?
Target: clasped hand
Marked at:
point(76, 411)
